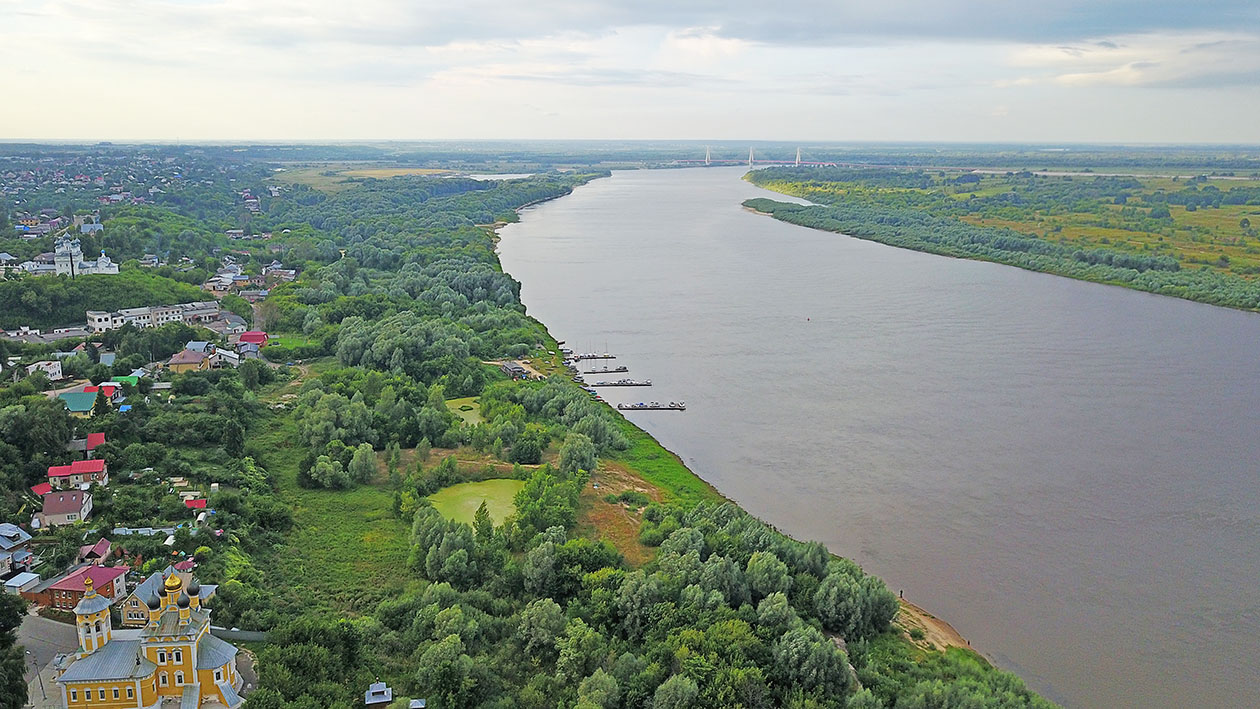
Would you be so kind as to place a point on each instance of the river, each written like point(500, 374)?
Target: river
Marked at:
point(1067, 472)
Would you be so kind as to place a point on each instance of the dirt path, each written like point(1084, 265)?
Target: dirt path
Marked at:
point(527, 367)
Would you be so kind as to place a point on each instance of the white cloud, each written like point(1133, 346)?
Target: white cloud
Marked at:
point(901, 70)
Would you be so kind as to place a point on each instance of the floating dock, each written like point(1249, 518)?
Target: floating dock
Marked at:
point(654, 406)
point(625, 383)
point(593, 355)
point(609, 370)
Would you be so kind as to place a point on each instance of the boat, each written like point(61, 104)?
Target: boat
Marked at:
point(625, 383)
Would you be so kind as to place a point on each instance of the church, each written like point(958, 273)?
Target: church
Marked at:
point(172, 661)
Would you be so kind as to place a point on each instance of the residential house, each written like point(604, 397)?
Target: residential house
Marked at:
point(86, 446)
point(64, 592)
point(188, 361)
point(65, 507)
point(378, 695)
point(247, 350)
point(113, 391)
point(95, 553)
point(50, 367)
point(79, 402)
point(135, 612)
point(257, 337)
point(203, 347)
point(79, 474)
point(15, 551)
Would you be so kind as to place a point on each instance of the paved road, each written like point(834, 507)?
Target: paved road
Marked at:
point(43, 640)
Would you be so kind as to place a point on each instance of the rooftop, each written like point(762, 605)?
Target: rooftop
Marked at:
point(59, 503)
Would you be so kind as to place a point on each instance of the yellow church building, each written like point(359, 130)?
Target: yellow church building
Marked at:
point(172, 661)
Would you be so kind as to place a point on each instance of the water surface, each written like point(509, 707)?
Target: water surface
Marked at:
point(1065, 471)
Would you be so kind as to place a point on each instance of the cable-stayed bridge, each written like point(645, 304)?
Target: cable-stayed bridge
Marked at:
point(752, 160)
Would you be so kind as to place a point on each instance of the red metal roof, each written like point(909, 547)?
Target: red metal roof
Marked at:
point(109, 390)
point(195, 504)
point(100, 549)
point(100, 575)
point(94, 440)
point(42, 489)
point(257, 337)
point(78, 467)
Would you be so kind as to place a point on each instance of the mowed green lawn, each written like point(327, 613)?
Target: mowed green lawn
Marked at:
point(460, 502)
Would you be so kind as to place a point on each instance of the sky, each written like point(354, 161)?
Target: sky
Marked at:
point(1070, 71)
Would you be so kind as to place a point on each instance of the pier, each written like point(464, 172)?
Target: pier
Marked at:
point(625, 383)
point(654, 406)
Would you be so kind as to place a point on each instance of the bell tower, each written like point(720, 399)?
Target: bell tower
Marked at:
point(91, 617)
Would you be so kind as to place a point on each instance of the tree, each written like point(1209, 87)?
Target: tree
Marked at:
point(329, 473)
point(483, 525)
point(233, 439)
point(12, 656)
point(804, 659)
point(678, 692)
point(542, 622)
point(599, 691)
point(767, 575)
point(577, 453)
point(363, 464)
point(100, 407)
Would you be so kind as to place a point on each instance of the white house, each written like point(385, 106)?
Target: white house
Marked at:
point(50, 367)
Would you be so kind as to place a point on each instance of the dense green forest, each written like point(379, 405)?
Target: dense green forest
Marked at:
point(965, 216)
point(672, 598)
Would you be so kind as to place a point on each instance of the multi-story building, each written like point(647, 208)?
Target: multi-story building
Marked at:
point(154, 316)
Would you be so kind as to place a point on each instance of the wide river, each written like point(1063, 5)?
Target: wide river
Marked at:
point(1067, 472)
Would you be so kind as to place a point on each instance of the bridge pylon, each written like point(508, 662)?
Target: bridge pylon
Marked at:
point(750, 156)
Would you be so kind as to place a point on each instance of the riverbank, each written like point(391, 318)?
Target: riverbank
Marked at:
point(1108, 248)
point(655, 467)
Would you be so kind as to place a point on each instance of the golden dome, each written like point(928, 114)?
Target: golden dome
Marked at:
point(172, 583)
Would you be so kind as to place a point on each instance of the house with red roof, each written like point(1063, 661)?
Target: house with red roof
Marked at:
point(113, 391)
point(86, 446)
point(66, 591)
point(41, 489)
point(61, 508)
point(79, 473)
point(256, 337)
point(195, 504)
point(95, 553)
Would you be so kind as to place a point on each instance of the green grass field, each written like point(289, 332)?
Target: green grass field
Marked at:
point(652, 462)
point(346, 552)
point(460, 502)
point(471, 416)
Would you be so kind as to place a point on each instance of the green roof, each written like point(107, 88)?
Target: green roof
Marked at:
point(78, 401)
point(133, 381)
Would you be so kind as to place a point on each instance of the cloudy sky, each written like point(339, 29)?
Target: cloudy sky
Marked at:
point(1133, 71)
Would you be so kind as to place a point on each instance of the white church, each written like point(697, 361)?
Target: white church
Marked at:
point(68, 259)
